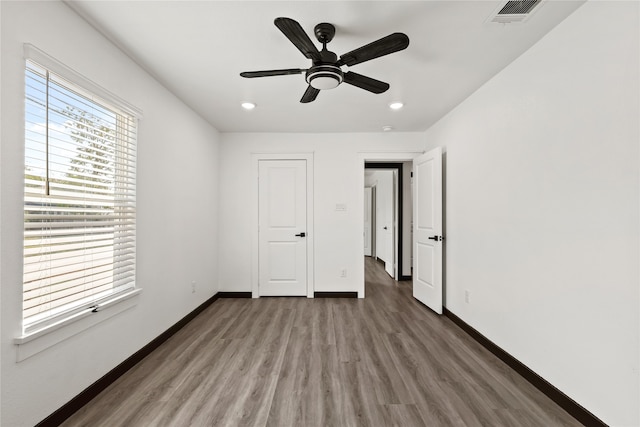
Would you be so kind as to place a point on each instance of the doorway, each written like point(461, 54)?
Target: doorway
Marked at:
point(381, 158)
point(387, 209)
point(388, 233)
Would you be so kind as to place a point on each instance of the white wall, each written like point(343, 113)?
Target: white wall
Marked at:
point(338, 179)
point(177, 212)
point(542, 194)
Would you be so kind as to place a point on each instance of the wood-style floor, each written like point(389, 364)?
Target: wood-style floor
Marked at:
point(385, 360)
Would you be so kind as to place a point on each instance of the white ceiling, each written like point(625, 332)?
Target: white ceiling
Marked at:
point(198, 48)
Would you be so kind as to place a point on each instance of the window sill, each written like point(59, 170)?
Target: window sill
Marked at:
point(36, 341)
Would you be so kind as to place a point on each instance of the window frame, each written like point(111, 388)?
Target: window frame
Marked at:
point(106, 305)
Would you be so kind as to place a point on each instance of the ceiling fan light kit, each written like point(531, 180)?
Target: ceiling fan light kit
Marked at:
point(325, 71)
point(324, 76)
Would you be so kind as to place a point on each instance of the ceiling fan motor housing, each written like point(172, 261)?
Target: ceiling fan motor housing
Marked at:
point(324, 76)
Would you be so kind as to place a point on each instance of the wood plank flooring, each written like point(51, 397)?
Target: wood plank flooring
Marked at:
point(385, 360)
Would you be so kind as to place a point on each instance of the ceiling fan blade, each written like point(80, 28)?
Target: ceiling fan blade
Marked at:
point(298, 37)
point(386, 45)
point(366, 83)
point(268, 73)
point(310, 94)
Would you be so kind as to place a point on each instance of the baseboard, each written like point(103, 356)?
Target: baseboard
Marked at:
point(315, 295)
point(234, 294)
point(70, 408)
point(335, 295)
point(565, 402)
point(405, 278)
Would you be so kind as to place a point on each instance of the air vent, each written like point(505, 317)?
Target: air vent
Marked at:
point(514, 11)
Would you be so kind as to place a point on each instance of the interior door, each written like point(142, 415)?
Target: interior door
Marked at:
point(367, 221)
point(282, 205)
point(374, 222)
point(427, 233)
point(390, 222)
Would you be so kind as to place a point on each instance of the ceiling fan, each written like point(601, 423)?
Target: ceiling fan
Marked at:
point(325, 71)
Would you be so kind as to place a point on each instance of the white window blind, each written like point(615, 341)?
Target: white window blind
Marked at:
point(79, 199)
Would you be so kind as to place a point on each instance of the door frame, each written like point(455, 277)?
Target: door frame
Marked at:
point(362, 158)
point(255, 217)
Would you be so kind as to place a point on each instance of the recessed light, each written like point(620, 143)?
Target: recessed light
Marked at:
point(396, 105)
point(248, 105)
point(387, 128)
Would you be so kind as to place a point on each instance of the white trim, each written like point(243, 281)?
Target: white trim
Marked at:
point(363, 157)
point(34, 54)
point(96, 308)
point(35, 342)
point(255, 275)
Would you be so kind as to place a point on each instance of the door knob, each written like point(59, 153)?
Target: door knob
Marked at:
point(303, 234)
point(384, 228)
point(436, 238)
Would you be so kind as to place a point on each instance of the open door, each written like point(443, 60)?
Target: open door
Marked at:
point(427, 232)
point(392, 243)
point(367, 221)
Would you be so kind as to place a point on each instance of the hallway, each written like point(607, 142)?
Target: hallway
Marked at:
point(380, 361)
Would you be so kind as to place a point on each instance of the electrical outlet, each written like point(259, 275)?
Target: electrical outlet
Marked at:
point(467, 296)
point(343, 272)
point(193, 287)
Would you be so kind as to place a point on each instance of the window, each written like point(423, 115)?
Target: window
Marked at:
point(79, 199)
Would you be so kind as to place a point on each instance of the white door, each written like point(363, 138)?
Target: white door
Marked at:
point(427, 233)
point(374, 222)
point(393, 246)
point(385, 207)
point(367, 221)
point(282, 211)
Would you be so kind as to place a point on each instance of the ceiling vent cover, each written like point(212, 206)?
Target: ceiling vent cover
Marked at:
point(514, 11)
